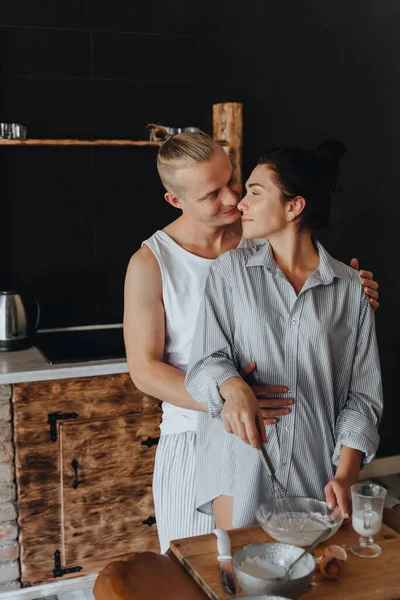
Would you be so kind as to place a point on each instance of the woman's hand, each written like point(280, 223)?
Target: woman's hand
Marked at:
point(370, 286)
point(241, 414)
point(337, 492)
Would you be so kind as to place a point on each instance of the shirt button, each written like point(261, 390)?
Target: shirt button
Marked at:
point(287, 428)
point(289, 391)
point(284, 464)
point(293, 320)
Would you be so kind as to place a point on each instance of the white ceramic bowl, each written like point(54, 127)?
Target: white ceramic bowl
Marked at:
point(308, 519)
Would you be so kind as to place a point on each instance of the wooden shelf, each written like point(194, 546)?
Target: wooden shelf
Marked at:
point(39, 142)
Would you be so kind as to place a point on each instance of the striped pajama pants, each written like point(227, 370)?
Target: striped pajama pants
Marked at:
point(174, 490)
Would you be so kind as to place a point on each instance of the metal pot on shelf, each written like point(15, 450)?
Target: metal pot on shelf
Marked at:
point(19, 320)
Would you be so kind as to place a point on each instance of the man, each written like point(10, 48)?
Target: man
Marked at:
point(163, 289)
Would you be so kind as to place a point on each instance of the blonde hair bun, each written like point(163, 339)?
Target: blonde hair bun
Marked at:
point(158, 133)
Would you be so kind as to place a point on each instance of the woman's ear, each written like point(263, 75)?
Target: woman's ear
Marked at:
point(295, 208)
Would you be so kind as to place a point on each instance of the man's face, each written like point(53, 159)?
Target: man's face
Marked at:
point(208, 192)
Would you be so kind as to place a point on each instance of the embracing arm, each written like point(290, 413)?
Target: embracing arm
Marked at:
point(367, 281)
point(212, 376)
point(144, 333)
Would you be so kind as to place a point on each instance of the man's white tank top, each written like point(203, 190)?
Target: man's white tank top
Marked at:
point(183, 280)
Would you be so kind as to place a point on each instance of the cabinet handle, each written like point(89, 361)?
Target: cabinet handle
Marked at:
point(150, 521)
point(75, 466)
point(151, 442)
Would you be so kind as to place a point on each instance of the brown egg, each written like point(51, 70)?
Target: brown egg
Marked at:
point(331, 562)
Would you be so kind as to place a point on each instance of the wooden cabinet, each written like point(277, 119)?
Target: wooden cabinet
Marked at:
point(84, 462)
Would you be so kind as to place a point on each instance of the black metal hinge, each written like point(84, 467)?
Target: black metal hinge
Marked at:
point(58, 571)
point(150, 521)
point(52, 420)
point(151, 442)
point(75, 466)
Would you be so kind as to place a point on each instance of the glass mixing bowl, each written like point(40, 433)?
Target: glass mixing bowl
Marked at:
point(298, 520)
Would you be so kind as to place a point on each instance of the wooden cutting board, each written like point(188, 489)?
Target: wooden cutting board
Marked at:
point(364, 579)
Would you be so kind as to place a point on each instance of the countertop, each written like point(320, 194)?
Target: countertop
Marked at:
point(29, 365)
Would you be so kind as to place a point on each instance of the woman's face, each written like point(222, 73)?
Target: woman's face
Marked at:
point(263, 212)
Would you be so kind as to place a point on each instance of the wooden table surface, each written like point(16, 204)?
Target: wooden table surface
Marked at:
point(363, 579)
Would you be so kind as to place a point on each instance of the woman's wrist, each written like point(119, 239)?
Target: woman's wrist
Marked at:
point(349, 465)
point(232, 386)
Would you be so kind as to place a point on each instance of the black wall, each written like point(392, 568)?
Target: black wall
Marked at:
point(72, 217)
point(317, 69)
point(304, 70)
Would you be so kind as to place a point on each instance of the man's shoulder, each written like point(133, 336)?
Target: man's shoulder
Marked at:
point(143, 263)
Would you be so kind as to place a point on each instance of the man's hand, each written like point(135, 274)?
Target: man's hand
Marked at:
point(370, 286)
point(270, 407)
point(337, 492)
point(241, 414)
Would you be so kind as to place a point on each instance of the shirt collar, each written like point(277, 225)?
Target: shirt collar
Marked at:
point(328, 268)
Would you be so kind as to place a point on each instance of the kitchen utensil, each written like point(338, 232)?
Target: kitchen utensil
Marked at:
point(278, 557)
point(12, 131)
point(368, 502)
point(283, 506)
point(175, 130)
point(19, 319)
point(308, 518)
point(225, 561)
point(279, 490)
point(317, 541)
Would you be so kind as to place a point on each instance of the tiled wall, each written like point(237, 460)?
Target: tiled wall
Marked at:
point(95, 69)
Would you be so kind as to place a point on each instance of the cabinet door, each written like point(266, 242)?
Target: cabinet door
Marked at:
point(107, 504)
point(71, 515)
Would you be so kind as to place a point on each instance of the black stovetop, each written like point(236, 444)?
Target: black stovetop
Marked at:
point(81, 345)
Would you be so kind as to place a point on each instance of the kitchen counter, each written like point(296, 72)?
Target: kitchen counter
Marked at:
point(29, 365)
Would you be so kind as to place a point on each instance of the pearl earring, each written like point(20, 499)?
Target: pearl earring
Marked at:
point(289, 219)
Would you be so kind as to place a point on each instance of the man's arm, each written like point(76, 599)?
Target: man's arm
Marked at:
point(367, 281)
point(144, 333)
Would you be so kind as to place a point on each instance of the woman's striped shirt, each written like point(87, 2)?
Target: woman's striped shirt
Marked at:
point(320, 343)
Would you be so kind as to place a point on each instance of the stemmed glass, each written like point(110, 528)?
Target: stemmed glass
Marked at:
point(368, 502)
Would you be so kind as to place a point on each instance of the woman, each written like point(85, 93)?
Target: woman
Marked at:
point(301, 316)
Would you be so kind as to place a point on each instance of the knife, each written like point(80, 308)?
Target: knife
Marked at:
point(225, 561)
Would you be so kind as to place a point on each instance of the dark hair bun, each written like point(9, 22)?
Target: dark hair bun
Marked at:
point(328, 155)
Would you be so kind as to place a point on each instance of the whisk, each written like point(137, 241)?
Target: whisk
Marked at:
point(279, 490)
point(284, 511)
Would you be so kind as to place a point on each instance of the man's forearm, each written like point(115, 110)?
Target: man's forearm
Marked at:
point(349, 464)
point(165, 383)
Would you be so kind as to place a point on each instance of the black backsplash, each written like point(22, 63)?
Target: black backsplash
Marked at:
point(93, 70)
point(305, 71)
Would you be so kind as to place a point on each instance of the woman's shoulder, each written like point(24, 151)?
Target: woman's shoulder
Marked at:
point(235, 258)
point(232, 263)
point(348, 272)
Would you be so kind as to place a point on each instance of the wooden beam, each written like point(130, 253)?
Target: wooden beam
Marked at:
point(228, 127)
